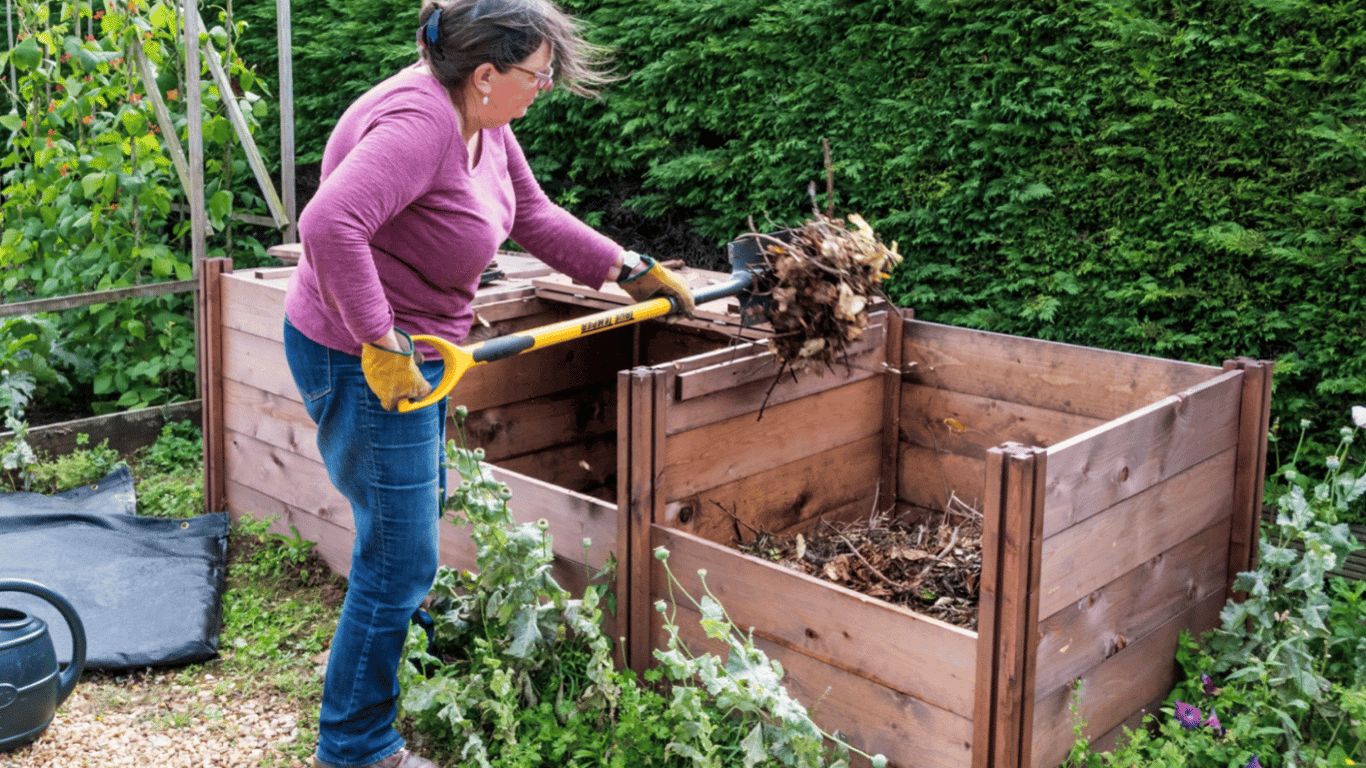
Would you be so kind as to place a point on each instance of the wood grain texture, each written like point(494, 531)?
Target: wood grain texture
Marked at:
point(970, 425)
point(560, 418)
point(272, 419)
point(1254, 424)
point(258, 362)
point(1059, 377)
point(1099, 468)
point(927, 478)
point(287, 477)
point(1094, 553)
point(587, 467)
point(872, 717)
point(741, 446)
point(333, 541)
point(781, 497)
point(210, 337)
point(928, 659)
point(1119, 686)
point(865, 353)
point(1086, 632)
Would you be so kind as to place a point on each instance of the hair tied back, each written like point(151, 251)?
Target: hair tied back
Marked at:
point(433, 29)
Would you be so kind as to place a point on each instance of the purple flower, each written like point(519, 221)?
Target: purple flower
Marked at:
point(1213, 723)
point(1254, 763)
point(1208, 683)
point(1188, 716)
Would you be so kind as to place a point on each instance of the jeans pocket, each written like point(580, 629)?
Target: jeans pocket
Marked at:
point(310, 363)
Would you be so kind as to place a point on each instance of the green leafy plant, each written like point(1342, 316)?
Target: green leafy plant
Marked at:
point(83, 466)
point(516, 672)
point(88, 186)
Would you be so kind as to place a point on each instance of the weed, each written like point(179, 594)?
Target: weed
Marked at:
point(80, 467)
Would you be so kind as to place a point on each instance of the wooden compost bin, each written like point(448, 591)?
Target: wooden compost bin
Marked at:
point(547, 421)
point(1118, 495)
point(1118, 492)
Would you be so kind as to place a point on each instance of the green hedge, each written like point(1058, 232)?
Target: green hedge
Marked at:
point(1183, 179)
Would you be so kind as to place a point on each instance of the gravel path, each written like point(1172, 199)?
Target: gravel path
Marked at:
point(169, 719)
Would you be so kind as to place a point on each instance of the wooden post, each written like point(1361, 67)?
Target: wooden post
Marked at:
point(636, 470)
point(891, 412)
point(1250, 472)
point(209, 312)
point(1007, 634)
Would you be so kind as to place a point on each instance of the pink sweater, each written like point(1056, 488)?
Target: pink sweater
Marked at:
point(401, 229)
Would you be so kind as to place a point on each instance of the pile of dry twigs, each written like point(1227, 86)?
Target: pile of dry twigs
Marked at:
point(931, 564)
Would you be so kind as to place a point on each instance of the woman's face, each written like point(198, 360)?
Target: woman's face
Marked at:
point(512, 92)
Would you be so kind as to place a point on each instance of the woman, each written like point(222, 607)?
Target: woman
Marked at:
point(422, 181)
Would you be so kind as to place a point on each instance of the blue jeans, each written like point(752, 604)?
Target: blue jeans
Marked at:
point(388, 465)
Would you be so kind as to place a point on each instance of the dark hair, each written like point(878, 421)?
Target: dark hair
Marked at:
point(503, 33)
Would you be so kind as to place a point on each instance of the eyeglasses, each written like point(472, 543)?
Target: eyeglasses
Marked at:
point(544, 80)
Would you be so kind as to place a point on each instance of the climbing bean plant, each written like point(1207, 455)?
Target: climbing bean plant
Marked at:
point(89, 189)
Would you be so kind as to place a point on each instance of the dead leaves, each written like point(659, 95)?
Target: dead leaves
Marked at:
point(821, 278)
point(931, 564)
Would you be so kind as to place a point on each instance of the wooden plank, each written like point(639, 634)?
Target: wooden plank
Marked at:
point(1094, 553)
point(570, 365)
point(889, 469)
point(1108, 742)
point(257, 362)
point(970, 425)
point(126, 431)
point(636, 476)
point(1096, 469)
point(1016, 605)
point(286, 476)
point(919, 656)
point(1254, 423)
point(872, 717)
point(272, 419)
point(765, 367)
point(1086, 632)
point(989, 618)
point(741, 446)
point(1044, 374)
point(927, 478)
point(589, 467)
point(756, 399)
point(723, 311)
point(522, 427)
point(210, 312)
point(572, 517)
point(666, 342)
point(334, 542)
point(1113, 690)
point(254, 306)
point(781, 497)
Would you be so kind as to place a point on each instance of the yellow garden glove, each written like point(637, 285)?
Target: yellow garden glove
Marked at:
point(648, 278)
point(392, 374)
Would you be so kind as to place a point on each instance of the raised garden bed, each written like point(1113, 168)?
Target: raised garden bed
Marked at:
point(1119, 494)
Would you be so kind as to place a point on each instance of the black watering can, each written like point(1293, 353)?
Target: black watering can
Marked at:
point(31, 684)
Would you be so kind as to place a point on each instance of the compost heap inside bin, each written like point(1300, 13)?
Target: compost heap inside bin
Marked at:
point(931, 563)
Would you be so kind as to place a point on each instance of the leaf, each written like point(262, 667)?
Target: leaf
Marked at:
point(753, 745)
point(26, 54)
point(714, 621)
point(526, 634)
point(11, 122)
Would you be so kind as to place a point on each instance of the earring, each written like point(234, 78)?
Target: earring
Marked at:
point(486, 98)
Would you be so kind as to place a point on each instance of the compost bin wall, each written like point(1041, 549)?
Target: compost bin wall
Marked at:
point(1117, 491)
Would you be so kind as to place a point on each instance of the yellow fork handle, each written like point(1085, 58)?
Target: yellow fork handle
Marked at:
point(460, 359)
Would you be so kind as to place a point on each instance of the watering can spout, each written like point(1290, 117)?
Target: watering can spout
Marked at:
point(31, 684)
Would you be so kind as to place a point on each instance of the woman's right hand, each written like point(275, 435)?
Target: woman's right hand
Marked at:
point(392, 372)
